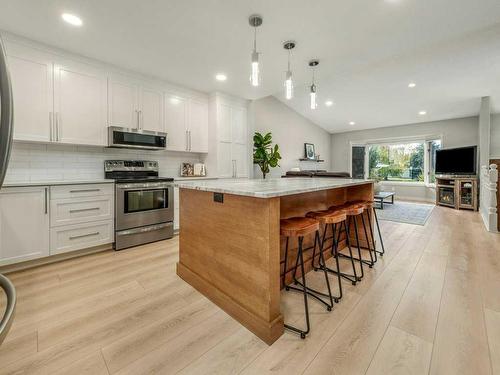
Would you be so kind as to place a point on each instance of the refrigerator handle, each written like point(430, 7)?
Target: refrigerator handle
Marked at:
point(7, 109)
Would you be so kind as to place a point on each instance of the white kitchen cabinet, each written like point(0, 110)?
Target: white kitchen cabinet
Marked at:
point(24, 224)
point(80, 236)
point(186, 122)
point(176, 117)
point(32, 87)
point(232, 140)
point(134, 104)
point(198, 126)
point(123, 102)
point(151, 109)
point(80, 101)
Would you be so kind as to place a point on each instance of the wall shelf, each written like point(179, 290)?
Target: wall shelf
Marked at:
point(312, 161)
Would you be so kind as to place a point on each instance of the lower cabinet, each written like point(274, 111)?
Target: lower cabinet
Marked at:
point(80, 236)
point(36, 222)
point(81, 216)
point(24, 224)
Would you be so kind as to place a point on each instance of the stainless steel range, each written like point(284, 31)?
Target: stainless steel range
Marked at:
point(144, 202)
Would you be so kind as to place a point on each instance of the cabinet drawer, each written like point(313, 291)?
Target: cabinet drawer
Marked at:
point(77, 191)
point(80, 236)
point(80, 210)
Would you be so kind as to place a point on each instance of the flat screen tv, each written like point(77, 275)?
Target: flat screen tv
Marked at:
point(457, 161)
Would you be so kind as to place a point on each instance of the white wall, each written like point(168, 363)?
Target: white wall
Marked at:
point(495, 137)
point(484, 131)
point(290, 131)
point(41, 162)
point(454, 133)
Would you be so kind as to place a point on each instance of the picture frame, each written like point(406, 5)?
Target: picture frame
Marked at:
point(309, 152)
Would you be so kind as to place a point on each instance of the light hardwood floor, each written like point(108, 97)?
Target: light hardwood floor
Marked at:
point(430, 305)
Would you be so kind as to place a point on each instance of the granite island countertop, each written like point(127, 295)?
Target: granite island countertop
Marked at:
point(272, 187)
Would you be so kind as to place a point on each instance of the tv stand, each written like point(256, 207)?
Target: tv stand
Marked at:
point(458, 192)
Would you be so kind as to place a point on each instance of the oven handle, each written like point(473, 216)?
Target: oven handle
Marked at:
point(144, 187)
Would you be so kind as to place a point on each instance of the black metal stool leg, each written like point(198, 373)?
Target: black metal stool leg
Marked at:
point(354, 277)
point(370, 262)
point(359, 248)
point(304, 290)
point(310, 291)
point(285, 266)
point(371, 233)
point(379, 234)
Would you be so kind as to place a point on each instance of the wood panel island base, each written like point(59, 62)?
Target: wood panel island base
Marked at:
point(230, 247)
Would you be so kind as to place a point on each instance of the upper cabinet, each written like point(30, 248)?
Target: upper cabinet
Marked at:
point(186, 122)
point(32, 89)
point(232, 128)
point(55, 99)
point(79, 104)
point(134, 104)
point(71, 100)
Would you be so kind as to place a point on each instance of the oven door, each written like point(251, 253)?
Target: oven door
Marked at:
point(134, 138)
point(141, 204)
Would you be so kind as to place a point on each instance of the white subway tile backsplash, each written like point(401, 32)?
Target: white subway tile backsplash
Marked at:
point(41, 162)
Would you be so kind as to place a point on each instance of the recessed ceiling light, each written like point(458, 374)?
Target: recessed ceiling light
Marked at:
point(221, 77)
point(329, 103)
point(412, 85)
point(352, 123)
point(422, 113)
point(72, 19)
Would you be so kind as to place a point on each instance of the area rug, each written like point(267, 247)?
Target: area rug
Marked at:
point(406, 212)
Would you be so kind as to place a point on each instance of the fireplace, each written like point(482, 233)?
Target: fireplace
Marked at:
point(446, 195)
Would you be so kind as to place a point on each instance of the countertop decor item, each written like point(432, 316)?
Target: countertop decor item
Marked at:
point(264, 154)
point(187, 169)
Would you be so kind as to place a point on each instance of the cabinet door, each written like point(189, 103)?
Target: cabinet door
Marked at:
point(240, 156)
point(80, 104)
point(176, 112)
point(122, 103)
point(239, 125)
point(31, 76)
point(198, 126)
point(225, 163)
point(151, 110)
point(24, 224)
point(224, 123)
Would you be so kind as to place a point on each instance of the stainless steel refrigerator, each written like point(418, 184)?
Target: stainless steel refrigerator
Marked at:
point(6, 130)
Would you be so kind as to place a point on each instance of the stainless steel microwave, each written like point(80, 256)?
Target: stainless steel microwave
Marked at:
point(135, 138)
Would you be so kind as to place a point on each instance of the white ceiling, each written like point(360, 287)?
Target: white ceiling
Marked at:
point(369, 50)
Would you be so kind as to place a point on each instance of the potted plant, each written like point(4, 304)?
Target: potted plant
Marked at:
point(264, 154)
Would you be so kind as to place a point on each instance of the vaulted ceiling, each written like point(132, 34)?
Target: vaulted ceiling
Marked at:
point(369, 50)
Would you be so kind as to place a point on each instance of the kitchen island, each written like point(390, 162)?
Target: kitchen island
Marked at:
point(230, 248)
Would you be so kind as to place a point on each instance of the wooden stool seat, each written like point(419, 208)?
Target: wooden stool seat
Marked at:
point(350, 209)
point(328, 216)
point(365, 203)
point(298, 226)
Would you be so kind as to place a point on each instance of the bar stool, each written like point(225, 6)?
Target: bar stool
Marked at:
point(353, 211)
point(328, 218)
point(298, 227)
point(370, 208)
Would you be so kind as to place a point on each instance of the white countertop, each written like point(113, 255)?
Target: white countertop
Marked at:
point(272, 187)
point(57, 182)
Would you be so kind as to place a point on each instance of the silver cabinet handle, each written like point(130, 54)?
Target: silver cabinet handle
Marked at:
point(85, 235)
point(58, 135)
point(51, 127)
point(84, 209)
point(46, 201)
point(84, 190)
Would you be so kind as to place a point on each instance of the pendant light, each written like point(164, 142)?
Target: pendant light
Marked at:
point(312, 93)
point(255, 21)
point(289, 45)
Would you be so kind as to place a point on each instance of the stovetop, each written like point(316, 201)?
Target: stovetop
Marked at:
point(128, 179)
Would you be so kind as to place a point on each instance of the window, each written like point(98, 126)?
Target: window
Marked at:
point(412, 161)
point(432, 146)
point(403, 162)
